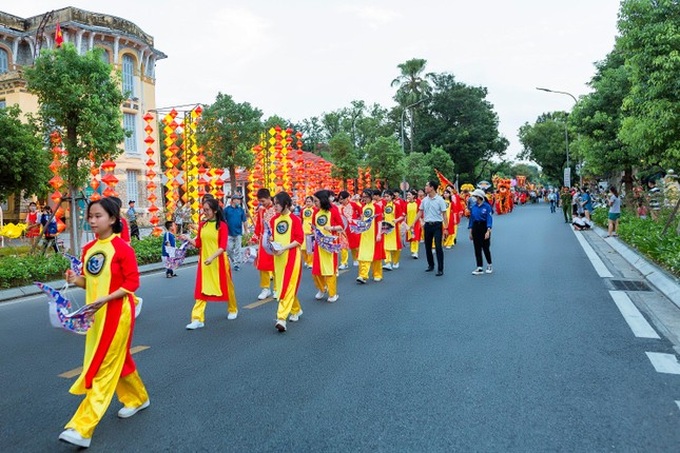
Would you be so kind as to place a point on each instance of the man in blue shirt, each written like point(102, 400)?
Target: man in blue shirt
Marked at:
point(236, 219)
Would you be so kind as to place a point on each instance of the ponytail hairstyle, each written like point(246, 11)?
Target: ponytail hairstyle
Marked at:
point(214, 206)
point(112, 209)
point(283, 199)
point(324, 199)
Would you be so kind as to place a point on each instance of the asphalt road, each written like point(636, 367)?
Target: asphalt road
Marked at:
point(535, 357)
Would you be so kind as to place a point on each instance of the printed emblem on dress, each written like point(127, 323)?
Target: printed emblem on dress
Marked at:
point(322, 220)
point(282, 227)
point(95, 263)
point(368, 212)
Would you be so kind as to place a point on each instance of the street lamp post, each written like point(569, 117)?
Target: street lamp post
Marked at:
point(566, 129)
point(403, 151)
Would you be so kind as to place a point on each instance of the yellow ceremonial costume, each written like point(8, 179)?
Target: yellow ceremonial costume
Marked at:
point(371, 251)
point(325, 264)
point(307, 221)
point(413, 235)
point(392, 239)
point(108, 265)
point(448, 241)
point(213, 281)
point(287, 228)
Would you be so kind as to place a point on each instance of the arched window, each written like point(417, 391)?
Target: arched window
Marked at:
point(4, 61)
point(128, 76)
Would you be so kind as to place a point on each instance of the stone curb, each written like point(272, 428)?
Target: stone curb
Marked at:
point(32, 290)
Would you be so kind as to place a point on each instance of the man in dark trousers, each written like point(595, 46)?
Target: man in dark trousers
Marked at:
point(132, 220)
point(433, 211)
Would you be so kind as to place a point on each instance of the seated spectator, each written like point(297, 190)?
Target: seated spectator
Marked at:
point(580, 223)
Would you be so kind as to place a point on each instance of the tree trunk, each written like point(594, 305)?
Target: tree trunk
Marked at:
point(628, 179)
point(74, 233)
point(232, 179)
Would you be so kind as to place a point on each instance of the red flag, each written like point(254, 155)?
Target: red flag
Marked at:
point(58, 36)
point(443, 182)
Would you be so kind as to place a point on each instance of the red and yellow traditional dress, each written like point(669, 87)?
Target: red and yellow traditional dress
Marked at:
point(213, 281)
point(307, 215)
point(108, 265)
point(351, 212)
point(414, 234)
point(264, 261)
point(392, 241)
point(33, 226)
point(287, 228)
point(371, 250)
point(325, 266)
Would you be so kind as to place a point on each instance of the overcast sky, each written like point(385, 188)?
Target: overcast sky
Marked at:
point(300, 58)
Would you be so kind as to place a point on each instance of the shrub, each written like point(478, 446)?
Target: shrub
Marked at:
point(24, 270)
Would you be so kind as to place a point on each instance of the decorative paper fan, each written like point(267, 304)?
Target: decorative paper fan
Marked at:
point(330, 244)
point(60, 307)
point(175, 261)
point(359, 226)
point(387, 227)
point(76, 264)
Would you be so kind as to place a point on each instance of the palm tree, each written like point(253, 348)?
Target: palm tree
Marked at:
point(412, 86)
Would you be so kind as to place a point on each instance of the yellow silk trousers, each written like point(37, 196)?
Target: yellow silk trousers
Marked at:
point(376, 266)
point(392, 256)
point(326, 281)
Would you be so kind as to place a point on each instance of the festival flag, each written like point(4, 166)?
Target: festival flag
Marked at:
point(58, 36)
point(443, 182)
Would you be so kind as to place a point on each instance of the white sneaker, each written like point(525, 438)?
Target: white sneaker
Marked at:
point(478, 271)
point(377, 279)
point(361, 280)
point(275, 295)
point(280, 325)
point(295, 317)
point(319, 295)
point(193, 325)
point(342, 267)
point(355, 263)
point(334, 298)
point(232, 315)
point(127, 412)
point(387, 266)
point(489, 269)
point(414, 256)
point(138, 306)
point(73, 437)
point(266, 292)
point(395, 266)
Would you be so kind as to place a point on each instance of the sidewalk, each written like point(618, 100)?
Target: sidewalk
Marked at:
point(32, 290)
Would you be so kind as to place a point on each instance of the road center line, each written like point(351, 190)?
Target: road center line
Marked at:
point(597, 263)
point(259, 303)
point(637, 323)
point(76, 371)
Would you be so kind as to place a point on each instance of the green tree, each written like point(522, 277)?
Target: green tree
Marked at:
point(650, 42)
point(227, 131)
point(385, 158)
point(459, 119)
point(344, 158)
point(80, 96)
point(544, 143)
point(25, 162)
point(440, 160)
point(418, 169)
point(412, 86)
point(597, 118)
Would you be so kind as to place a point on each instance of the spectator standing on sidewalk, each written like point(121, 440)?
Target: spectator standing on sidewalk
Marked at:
point(552, 197)
point(587, 203)
point(480, 224)
point(236, 219)
point(132, 220)
point(614, 211)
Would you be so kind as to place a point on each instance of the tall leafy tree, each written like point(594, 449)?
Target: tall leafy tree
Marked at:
point(25, 162)
point(544, 143)
point(650, 42)
point(418, 169)
point(459, 119)
point(80, 96)
point(344, 158)
point(385, 158)
point(227, 131)
point(412, 86)
point(438, 159)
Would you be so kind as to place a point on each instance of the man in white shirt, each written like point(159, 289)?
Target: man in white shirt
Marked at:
point(433, 211)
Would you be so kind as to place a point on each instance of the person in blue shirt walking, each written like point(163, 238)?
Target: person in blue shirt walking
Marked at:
point(168, 248)
point(587, 202)
point(236, 219)
point(480, 224)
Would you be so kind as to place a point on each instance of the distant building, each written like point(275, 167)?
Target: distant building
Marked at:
point(126, 47)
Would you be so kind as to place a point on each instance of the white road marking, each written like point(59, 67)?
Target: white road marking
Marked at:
point(597, 263)
point(664, 363)
point(638, 324)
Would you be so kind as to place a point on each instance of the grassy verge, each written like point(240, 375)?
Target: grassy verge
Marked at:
point(644, 235)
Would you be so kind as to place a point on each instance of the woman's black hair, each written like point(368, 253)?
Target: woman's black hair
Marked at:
point(117, 200)
point(309, 198)
point(613, 190)
point(343, 195)
point(324, 199)
point(388, 192)
point(283, 199)
point(263, 193)
point(214, 206)
point(367, 193)
point(112, 209)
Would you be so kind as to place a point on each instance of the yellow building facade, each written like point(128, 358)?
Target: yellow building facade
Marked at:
point(126, 47)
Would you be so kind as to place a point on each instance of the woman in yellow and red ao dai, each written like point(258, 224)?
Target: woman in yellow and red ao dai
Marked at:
point(371, 251)
point(328, 221)
point(393, 215)
point(414, 234)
